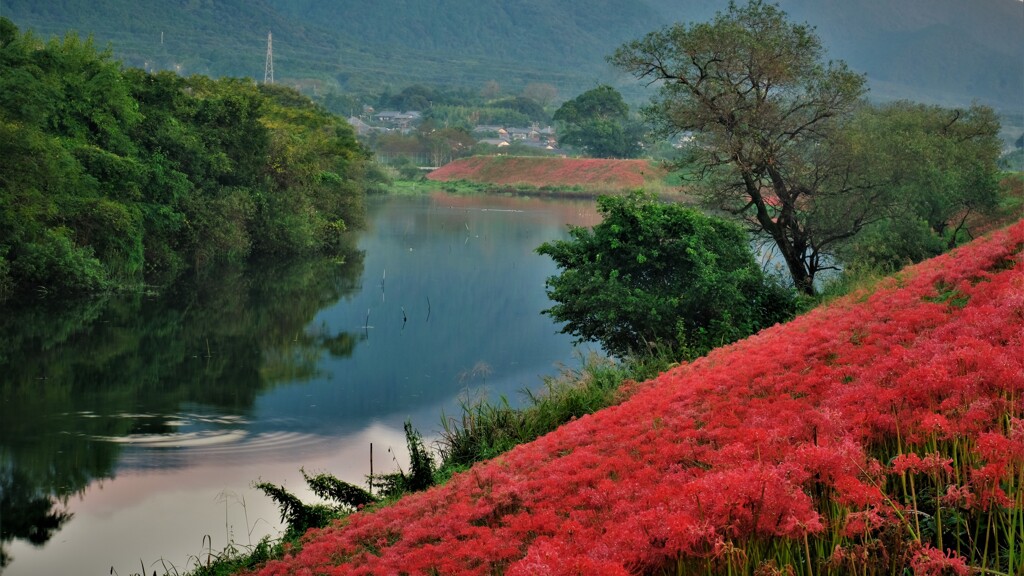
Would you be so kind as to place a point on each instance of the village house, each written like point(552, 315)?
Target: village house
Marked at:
point(533, 136)
point(394, 120)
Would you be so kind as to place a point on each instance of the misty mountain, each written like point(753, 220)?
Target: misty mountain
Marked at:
point(947, 52)
point(941, 51)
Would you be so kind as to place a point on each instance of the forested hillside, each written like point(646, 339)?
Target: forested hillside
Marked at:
point(212, 37)
point(946, 51)
point(355, 44)
point(519, 38)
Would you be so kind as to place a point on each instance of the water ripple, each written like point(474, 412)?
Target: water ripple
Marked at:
point(186, 436)
point(178, 440)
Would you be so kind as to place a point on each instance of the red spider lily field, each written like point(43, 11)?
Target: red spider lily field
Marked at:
point(880, 434)
point(604, 174)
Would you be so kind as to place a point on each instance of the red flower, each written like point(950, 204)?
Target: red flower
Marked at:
point(929, 561)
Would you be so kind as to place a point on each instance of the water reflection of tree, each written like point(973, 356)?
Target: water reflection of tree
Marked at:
point(27, 513)
point(110, 367)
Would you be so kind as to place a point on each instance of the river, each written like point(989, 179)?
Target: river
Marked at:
point(132, 427)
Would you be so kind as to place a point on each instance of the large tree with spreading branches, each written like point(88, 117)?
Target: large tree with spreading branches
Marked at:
point(767, 113)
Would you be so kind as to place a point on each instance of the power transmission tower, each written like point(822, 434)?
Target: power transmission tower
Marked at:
point(268, 70)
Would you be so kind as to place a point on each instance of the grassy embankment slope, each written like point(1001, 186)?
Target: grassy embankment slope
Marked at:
point(881, 432)
point(557, 176)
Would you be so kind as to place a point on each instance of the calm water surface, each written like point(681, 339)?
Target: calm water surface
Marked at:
point(132, 428)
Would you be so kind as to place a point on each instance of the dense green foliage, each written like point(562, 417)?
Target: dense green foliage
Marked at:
point(598, 123)
point(658, 276)
point(113, 176)
point(940, 168)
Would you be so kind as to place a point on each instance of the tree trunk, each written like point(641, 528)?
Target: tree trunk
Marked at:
point(802, 278)
point(792, 249)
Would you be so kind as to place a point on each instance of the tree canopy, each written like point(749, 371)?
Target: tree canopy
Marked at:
point(940, 166)
point(598, 122)
point(659, 276)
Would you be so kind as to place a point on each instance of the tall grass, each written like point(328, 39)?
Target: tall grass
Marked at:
point(486, 429)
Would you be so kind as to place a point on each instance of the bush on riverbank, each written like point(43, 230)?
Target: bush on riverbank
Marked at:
point(657, 276)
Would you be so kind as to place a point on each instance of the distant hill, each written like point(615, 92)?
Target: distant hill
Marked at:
point(212, 37)
point(947, 52)
point(355, 44)
point(939, 51)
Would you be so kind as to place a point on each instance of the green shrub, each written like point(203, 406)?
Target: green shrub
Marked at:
point(421, 469)
point(891, 244)
point(54, 264)
point(659, 276)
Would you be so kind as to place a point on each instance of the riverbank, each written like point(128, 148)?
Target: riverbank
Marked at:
point(880, 432)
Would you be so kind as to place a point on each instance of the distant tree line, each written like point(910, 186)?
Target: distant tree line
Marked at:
point(114, 177)
point(451, 106)
point(448, 117)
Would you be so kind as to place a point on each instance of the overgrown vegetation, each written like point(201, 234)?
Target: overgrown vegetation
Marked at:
point(116, 177)
point(339, 499)
point(486, 429)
